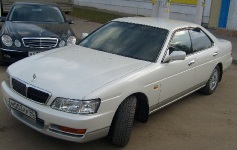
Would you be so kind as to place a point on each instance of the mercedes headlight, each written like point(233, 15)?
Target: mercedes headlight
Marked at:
point(7, 40)
point(71, 40)
point(76, 106)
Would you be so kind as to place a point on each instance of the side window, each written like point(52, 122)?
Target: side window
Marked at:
point(181, 42)
point(200, 40)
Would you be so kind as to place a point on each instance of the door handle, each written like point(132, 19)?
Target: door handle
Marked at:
point(216, 53)
point(191, 62)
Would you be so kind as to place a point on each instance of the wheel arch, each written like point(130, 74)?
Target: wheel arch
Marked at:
point(142, 107)
point(221, 70)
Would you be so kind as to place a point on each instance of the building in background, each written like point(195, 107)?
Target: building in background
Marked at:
point(232, 15)
point(216, 13)
point(223, 14)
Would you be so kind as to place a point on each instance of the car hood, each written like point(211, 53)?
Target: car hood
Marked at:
point(73, 71)
point(28, 29)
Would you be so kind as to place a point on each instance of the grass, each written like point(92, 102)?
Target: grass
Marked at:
point(93, 14)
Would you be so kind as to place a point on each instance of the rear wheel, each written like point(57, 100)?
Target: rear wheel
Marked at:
point(212, 83)
point(122, 122)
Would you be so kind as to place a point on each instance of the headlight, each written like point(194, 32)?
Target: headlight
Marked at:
point(76, 106)
point(17, 43)
point(71, 40)
point(62, 43)
point(7, 40)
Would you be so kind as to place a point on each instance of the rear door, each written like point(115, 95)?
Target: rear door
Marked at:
point(205, 53)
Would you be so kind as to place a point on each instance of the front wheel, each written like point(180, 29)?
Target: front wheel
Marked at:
point(120, 129)
point(2, 62)
point(212, 83)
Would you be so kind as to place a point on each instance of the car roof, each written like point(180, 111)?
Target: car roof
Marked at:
point(35, 3)
point(168, 24)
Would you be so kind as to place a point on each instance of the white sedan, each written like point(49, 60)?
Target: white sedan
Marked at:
point(129, 68)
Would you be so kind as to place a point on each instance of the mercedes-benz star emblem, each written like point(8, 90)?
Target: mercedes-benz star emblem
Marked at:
point(40, 32)
point(34, 77)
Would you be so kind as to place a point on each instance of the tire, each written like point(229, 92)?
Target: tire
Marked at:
point(212, 83)
point(122, 122)
point(141, 113)
point(2, 63)
point(1, 9)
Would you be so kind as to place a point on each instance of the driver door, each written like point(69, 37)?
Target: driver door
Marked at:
point(178, 76)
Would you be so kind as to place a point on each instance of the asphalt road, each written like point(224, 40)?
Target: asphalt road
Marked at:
point(196, 122)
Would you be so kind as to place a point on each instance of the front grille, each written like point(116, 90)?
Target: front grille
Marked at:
point(30, 92)
point(35, 94)
point(19, 87)
point(40, 42)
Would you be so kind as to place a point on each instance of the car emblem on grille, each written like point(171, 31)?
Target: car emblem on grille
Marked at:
point(40, 32)
point(34, 77)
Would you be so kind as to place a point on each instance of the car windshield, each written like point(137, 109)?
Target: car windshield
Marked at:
point(127, 39)
point(36, 13)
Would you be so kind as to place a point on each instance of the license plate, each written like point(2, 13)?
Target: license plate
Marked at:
point(23, 109)
point(33, 53)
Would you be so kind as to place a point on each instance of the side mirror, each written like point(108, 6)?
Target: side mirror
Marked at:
point(2, 19)
point(175, 55)
point(70, 21)
point(84, 35)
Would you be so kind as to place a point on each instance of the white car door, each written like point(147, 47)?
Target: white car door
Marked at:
point(178, 76)
point(205, 53)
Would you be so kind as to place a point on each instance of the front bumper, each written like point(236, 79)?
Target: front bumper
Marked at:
point(11, 56)
point(48, 119)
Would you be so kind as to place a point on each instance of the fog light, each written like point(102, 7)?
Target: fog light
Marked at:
point(62, 43)
point(17, 43)
point(72, 130)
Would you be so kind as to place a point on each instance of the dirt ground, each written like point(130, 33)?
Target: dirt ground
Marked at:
point(196, 122)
